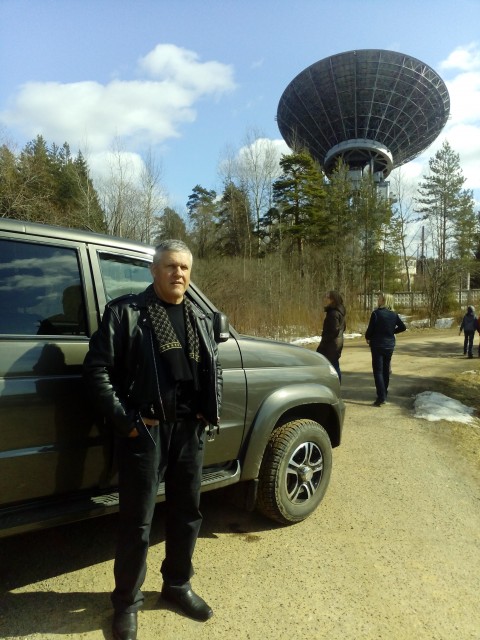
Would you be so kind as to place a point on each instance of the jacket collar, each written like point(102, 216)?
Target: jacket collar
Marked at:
point(142, 299)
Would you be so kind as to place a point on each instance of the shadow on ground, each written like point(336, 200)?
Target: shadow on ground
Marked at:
point(359, 388)
point(26, 614)
point(34, 557)
point(71, 547)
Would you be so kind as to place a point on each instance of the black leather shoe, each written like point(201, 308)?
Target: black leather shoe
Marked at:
point(188, 602)
point(124, 626)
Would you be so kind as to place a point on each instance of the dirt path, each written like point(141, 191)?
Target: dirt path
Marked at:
point(392, 553)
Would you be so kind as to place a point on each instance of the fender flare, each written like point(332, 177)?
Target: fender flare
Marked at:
point(269, 414)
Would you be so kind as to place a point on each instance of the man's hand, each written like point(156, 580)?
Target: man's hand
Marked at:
point(149, 422)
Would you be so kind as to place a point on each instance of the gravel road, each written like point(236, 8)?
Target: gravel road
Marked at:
point(392, 553)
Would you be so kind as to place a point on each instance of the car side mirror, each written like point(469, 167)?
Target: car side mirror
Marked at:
point(221, 327)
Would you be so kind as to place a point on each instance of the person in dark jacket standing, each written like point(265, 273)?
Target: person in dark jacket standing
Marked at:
point(331, 344)
point(468, 326)
point(380, 335)
point(153, 370)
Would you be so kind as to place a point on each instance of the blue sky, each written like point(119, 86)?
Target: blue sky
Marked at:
point(188, 79)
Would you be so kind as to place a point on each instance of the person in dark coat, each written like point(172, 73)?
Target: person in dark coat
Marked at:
point(154, 373)
point(468, 326)
point(334, 326)
point(380, 335)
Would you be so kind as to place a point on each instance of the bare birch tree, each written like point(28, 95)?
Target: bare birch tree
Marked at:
point(131, 195)
point(152, 198)
point(258, 166)
point(403, 219)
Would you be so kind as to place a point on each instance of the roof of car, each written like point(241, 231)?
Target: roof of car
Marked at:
point(65, 233)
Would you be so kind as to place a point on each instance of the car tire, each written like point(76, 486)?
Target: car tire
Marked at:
point(295, 471)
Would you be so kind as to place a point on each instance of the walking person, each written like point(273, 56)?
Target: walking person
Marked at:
point(334, 326)
point(380, 336)
point(468, 326)
point(153, 370)
point(477, 328)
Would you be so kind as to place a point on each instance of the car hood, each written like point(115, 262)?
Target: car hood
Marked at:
point(260, 352)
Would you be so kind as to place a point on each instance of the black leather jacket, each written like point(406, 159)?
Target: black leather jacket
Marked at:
point(123, 374)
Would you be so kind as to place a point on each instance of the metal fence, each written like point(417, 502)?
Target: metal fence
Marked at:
point(418, 300)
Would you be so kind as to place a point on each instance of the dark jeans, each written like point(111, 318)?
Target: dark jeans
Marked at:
point(381, 359)
point(177, 459)
point(468, 342)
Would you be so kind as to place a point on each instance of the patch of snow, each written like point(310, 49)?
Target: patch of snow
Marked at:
point(419, 323)
point(434, 406)
point(444, 323)
point(312, 339)
point(441, 323)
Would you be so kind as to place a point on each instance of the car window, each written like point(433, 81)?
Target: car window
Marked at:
point(123, 274)
point(40, 290)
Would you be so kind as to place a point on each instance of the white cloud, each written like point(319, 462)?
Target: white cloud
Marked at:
point(150, 109)
point(182, 67)
point(262, 148)
point(464, 92)
point(105, 163)
point(412, 171)
point(464, 58)
point(265, 154)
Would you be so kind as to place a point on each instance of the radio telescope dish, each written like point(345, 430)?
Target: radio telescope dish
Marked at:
point(369, 107)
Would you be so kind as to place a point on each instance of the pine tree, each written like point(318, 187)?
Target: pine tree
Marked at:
point(448, 210)
point(170, 225)
point(46, 184)
point(90, 214)
point(11, 192)
point(299, 195)
point(341, 232)
point(202, 211)
point(372, 214)
point(445, 205)
point(38, 180)
point(234, 226)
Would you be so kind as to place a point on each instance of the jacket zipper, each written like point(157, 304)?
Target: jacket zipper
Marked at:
point(156, 376)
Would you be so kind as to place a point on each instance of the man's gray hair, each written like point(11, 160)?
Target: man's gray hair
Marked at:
point(170, 245)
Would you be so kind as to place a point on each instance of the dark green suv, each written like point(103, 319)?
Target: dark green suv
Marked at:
point(281, 417)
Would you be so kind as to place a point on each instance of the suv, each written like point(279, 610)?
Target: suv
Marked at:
point(281, 416)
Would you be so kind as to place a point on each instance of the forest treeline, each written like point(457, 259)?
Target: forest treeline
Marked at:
point(279, 234)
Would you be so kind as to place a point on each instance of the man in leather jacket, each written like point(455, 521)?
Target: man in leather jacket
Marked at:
point(154, 373)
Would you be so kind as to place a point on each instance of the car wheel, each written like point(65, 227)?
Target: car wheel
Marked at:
point(295, 471)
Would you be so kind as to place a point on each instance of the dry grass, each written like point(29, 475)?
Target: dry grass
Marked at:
point(465, 388)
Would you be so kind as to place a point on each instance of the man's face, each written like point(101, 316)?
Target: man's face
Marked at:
point(171, 275)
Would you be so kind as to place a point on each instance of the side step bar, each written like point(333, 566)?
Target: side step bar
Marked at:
point(46, 514)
